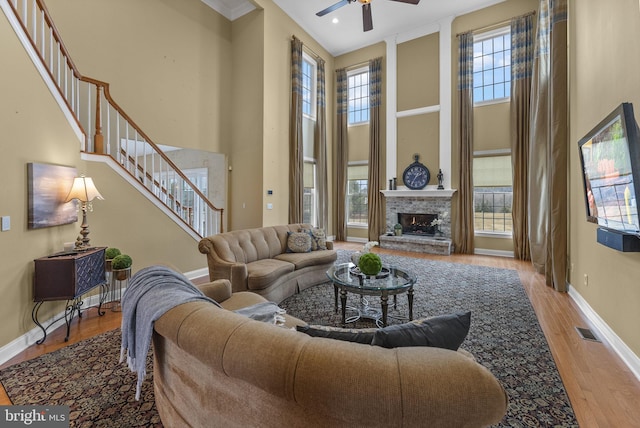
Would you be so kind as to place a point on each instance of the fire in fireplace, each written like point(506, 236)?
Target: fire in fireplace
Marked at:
point(417, 224)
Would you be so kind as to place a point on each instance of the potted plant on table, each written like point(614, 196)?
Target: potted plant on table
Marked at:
point(109, 254)
point(121, 266)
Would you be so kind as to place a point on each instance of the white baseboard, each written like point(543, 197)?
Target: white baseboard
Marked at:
point(497, 253)
point(18, 345)
point(606, 333)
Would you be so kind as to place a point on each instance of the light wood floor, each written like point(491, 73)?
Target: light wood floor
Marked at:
point(603, 392)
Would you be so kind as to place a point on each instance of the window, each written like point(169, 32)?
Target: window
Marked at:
point(357, 187)
point(358, 83)
point(308, 86)
point(493, 193)
point(492, 66)
point(309, 200)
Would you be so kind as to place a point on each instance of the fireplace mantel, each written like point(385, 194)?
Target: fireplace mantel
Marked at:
point(424, 193)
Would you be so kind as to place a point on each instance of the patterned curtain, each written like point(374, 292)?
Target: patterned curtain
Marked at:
point(522, 45)
point(296, 155)
point(548, 146)
point(342, 153)
point(375, 207)
point(320, 147)
point(464, 224)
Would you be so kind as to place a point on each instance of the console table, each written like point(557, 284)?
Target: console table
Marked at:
point(67, 276)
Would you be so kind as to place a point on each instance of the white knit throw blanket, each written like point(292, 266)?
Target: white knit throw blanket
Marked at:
point(153, 291)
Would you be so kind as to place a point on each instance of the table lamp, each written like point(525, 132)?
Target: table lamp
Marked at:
point(84, 191)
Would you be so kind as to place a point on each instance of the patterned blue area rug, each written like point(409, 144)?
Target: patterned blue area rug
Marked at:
point(505, 335)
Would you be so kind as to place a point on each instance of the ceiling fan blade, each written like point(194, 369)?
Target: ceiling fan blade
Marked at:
point(333, 7)
point(408, 1)
point(367, 21)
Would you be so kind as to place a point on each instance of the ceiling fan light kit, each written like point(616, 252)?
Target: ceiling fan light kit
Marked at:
point(367, 20)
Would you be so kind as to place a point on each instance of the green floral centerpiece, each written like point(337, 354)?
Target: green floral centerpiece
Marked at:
point(370, 264)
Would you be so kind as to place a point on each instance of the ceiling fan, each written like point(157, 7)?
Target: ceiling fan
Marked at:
point(367, 21)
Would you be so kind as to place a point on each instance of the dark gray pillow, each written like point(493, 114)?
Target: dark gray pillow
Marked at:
point(358, 335)
point(446, 331)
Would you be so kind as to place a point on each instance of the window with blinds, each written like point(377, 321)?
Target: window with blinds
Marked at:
point(493, 193)
point(357, 188)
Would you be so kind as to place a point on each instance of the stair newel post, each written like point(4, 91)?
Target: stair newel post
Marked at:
point(98, 139)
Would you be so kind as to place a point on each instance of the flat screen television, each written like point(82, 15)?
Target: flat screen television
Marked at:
point(610, 159)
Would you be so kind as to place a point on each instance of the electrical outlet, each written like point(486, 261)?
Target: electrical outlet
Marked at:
point(586, 280)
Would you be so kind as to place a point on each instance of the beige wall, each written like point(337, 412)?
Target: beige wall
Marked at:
point(419, 72)
point(604, 59)
point(418, 87)
point(245, 148)
point(33, 130)
point(167, 63)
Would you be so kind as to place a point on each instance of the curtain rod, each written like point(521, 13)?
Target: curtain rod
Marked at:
point(308, 49)
point(358, 65)
point(497, 24)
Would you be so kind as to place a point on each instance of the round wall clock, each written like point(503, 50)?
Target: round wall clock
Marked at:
point(416, 176)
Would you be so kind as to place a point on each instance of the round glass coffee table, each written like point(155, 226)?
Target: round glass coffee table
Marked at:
point(391, 281)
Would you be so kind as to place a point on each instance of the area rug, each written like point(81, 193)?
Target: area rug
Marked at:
point(505, 335)
point(88, 378)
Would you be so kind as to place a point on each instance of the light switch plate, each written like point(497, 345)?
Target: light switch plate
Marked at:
point(6, 223)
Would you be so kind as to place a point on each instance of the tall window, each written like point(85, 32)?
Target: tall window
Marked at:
point(493, 193)
point(309, 195)
point(309, 199)
point(308, 86)
point(492, 66)
point(358, 83)
point(357, 186)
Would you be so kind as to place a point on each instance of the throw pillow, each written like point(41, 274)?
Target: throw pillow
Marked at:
point(298, 242)
point(318, 238)
point(446, 331)
point(358, 335)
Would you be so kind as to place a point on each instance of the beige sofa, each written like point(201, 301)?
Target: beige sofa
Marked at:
point(257, 260)
point(215, 368)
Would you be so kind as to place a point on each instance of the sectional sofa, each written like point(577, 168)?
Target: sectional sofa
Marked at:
point(261, 260)
point(216, 368)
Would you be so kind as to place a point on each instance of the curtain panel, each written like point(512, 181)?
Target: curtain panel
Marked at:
point(375, 202)
point(522, 45)
point(463, 236)
point(320, 147)
point(342, 153)
point(296, 154)
point(548, 146)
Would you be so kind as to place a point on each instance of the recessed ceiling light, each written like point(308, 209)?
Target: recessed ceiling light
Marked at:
point(335, 20)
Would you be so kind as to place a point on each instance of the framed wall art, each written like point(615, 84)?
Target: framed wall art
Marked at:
point(48, 186)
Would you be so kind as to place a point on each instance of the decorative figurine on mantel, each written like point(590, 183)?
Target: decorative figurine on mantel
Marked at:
point(440, 177)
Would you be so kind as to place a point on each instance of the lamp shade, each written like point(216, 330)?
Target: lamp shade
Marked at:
point(83, 190)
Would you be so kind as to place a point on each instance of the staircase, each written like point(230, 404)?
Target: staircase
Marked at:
point(107, 133)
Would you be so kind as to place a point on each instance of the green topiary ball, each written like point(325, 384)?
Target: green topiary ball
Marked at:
point(121, 261)
point(111, 252)
point(370, 264)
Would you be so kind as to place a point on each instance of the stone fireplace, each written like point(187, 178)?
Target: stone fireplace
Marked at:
point(415, 210)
